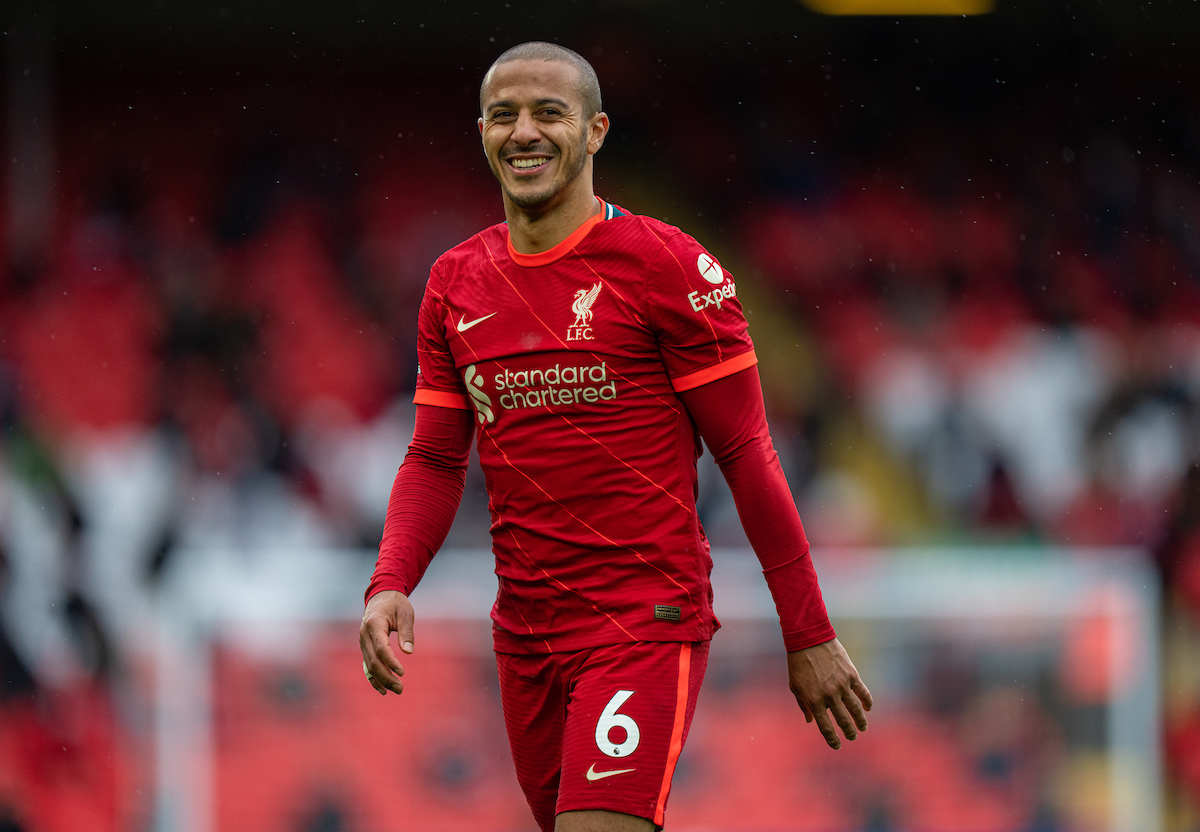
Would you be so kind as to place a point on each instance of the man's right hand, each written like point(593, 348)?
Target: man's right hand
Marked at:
point(387, 612)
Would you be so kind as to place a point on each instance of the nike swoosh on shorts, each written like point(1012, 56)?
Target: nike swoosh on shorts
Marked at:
point(464, 326)
point(592, 774)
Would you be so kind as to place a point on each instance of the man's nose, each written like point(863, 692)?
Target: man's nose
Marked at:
point(526, 131)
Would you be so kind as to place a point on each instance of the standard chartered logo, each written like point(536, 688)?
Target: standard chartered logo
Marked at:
point(481, 400)
point(555, 386)
point(539, 387)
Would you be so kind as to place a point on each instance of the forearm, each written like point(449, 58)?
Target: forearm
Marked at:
point(768, 514)
point(731, 418)
point(425, 497)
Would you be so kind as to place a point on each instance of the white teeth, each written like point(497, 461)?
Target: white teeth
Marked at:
point(525, 164)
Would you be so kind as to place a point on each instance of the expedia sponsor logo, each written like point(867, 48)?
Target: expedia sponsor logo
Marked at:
point(709, 268)
point(481, 400)
point(554, 386)
point(703, 300)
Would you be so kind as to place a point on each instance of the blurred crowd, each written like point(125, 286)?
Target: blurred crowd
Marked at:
point(981, 329)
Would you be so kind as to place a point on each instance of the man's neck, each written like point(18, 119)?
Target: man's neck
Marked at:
point(535, 232)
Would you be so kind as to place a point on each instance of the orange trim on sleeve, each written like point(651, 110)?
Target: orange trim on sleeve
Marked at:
point(681, 701)
point(551, 254)
point(726, 368)
point(441, 398)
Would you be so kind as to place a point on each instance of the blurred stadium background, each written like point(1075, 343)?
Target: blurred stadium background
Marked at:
point(969, 250)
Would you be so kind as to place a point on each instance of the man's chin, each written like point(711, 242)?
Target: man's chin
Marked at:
point(531, 200)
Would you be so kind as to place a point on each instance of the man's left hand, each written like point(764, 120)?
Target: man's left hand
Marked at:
point(825, 682)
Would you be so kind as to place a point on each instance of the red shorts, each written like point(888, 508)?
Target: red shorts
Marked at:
point(600, 728)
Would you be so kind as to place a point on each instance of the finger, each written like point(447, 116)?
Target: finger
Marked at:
point(808, 717)
point(378, 676)
point(383, 679)
point(382, 665)
point(368, 653)
point(844, 720)
point(405, 634)
point(383, 687)
point(384, 653)
point(855, 709)
point(825, 724)
point(386, 669)
point(864, 695)
point(372, 681)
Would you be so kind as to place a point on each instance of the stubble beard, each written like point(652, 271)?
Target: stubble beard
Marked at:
point(535, 201)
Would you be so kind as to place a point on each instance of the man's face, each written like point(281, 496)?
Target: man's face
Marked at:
point(535, 133)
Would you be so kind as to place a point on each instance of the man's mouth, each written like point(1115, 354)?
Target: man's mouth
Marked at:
point(528, 164)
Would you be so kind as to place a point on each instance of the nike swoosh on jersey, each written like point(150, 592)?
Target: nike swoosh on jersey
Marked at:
point(592, 774)
point(463, 326)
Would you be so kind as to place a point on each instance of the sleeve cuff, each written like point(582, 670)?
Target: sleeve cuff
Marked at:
point(808, 637)
point(382, 583)
point(725, 368)
point(441, 398)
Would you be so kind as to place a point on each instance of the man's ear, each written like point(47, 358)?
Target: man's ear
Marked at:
point(597, 130)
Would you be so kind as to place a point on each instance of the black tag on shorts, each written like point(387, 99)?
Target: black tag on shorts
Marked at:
point(666, 613)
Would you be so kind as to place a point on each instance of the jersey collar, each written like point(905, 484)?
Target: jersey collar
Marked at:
point(541, 258)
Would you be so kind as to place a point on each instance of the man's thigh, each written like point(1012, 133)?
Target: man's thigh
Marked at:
point(626, 710)
point(597, 821)
point(534, 690)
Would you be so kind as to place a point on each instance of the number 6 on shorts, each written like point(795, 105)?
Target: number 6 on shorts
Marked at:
point(610, 719)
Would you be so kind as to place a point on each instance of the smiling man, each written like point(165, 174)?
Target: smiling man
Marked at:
point(587, 350)
point(543, 160)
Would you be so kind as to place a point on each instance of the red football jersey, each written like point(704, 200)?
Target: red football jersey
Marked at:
point(571, 359)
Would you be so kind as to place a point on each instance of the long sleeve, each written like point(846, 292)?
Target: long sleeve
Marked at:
point(732, 420)
point(425, 497)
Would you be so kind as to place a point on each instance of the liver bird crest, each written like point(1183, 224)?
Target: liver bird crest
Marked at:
point(582, 306)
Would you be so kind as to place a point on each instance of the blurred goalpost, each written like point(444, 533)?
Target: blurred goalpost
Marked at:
point(1035, 670)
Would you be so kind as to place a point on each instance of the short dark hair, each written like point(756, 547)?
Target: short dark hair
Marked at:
point(540, 50)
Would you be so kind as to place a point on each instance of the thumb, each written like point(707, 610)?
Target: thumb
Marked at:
point(404, 633)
